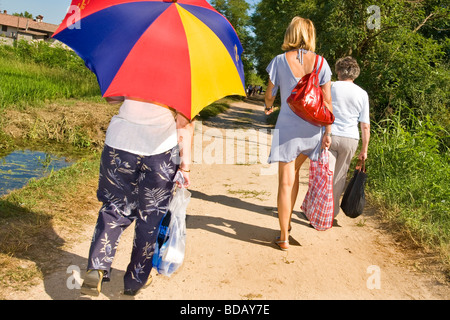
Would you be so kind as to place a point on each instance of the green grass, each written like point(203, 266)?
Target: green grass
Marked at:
point(409, 175)
point(35, 75)
point(32, 74)
point(40, 217)
point(213, 110)
point(23, 84)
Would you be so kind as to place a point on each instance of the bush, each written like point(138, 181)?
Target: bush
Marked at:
point(51, 55)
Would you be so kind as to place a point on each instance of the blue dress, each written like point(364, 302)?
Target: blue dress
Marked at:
point(293, 135)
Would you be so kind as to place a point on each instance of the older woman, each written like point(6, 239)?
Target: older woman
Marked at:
point(350, 106)
point(294, 139)
point(146, 144)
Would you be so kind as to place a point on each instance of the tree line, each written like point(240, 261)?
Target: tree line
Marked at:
point(401, 46)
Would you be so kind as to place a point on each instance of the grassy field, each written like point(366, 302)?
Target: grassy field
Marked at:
point(32, 74)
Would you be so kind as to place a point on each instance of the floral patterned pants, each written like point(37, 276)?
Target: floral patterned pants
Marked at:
point(131, 188)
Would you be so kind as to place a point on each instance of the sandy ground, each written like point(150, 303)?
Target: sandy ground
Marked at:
point(231, 226)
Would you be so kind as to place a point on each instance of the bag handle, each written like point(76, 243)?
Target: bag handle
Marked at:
point(314, 73)
point(317, 72)
point(315, 64)
point(323, 156)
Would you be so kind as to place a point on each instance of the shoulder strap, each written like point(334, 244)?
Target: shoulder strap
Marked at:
point(315, 62)
point(321, 63)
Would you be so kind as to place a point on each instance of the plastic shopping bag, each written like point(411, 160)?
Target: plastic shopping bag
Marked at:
point(318, 203)
point(171, 244)
point(354, 198)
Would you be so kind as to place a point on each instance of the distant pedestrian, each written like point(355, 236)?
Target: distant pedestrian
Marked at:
point(249, 90)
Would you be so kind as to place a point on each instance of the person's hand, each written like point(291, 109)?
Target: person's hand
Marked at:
point(268, 110)
point(326, 141)
point(362, 156)
point(186, 178)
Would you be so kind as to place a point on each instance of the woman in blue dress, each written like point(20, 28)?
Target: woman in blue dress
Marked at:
point(294, 139)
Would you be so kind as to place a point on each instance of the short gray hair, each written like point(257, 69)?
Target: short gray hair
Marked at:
point(347, 68)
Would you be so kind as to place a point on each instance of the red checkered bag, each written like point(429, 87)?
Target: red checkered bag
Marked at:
point(318, 204)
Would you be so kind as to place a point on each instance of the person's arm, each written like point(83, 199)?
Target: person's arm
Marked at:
point(326, 90)
point(114, 100)
point(365, 137)
point(185, 134)
point(269, 99)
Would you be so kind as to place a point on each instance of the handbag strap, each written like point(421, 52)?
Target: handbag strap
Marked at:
point(315, 72)
point(315, 63)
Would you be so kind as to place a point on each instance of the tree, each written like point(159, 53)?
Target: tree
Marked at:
point(25, 14)
point(401, 46)
point(236, 11)
point(269, 21)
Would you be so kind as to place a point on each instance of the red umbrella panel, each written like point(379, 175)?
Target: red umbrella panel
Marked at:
point(183, 54)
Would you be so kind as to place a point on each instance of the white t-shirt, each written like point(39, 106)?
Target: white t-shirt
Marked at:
point(350, 106)
point(142, 128)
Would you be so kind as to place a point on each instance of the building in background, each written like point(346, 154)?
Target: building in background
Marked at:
point(19, 28)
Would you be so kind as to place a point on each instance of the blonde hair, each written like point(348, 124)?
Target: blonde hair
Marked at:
point(300, 34)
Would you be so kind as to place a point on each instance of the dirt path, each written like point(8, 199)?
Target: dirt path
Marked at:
point(231, 226)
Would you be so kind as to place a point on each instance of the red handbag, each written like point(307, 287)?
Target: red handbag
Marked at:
point(306, 99)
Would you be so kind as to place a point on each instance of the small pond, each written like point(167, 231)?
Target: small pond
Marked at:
point(18, 167)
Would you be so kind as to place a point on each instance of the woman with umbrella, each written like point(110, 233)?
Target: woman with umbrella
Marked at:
point(137, 169)
point(152, 57)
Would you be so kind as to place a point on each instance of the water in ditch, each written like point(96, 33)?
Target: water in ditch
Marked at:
point(18, 167)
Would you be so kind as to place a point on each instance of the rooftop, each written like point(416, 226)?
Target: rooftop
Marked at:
point(26, 24)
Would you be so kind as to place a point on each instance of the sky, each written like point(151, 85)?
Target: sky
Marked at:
point(53, 11)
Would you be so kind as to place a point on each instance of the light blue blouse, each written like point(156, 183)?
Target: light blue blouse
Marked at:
point(293, 135)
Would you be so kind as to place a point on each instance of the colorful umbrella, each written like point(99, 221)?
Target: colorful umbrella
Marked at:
point(183, 54)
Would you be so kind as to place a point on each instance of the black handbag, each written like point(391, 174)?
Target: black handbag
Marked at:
point(354, 198)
